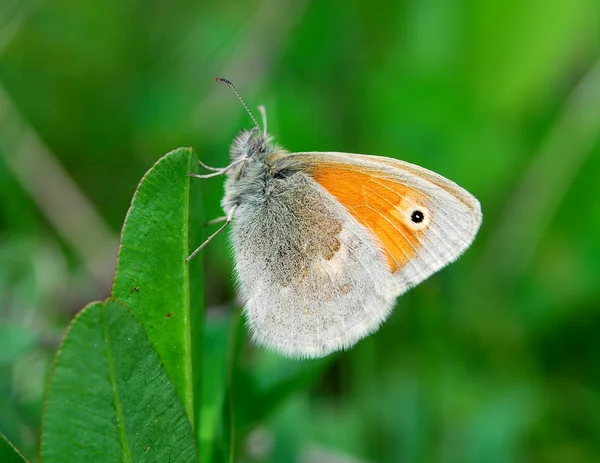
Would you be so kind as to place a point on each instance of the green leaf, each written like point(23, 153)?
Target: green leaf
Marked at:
point(152, 276)
point(8, 452)
point(109, 398)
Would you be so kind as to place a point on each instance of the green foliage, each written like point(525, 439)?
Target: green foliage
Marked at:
point(110, 399)
point(122, 386)
point(14, 342)
point(8, 453)
point(152, 274)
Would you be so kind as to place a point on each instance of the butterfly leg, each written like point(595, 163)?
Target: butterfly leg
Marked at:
point(214, 221)
point(214, 169)
point(217, 172)
point(228, 220)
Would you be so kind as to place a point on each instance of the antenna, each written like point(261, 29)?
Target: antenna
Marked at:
point(230, 85)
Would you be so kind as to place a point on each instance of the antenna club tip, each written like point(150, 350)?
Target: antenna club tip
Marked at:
point(223, 80)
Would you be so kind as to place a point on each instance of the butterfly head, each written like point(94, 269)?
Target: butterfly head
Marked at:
point(251, 143)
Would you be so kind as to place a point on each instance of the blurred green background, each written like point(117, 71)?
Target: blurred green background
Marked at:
point(494, 359)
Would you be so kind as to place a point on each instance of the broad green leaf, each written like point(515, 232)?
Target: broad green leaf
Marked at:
point(8, 452)
point(110, 399)
point(152, 276)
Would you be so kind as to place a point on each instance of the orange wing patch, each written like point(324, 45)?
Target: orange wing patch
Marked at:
point(382, 205)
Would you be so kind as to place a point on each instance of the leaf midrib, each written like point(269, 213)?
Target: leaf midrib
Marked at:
point(113, 383)
point(190, 399)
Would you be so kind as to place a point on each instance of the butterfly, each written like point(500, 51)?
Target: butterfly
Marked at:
point(325, 242)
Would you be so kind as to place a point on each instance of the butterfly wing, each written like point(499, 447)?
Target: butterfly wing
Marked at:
point(421, 220)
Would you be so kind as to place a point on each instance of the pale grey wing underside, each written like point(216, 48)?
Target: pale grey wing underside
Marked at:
point(312, 278)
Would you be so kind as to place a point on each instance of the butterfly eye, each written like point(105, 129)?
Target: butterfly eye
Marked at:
point(282, 174)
